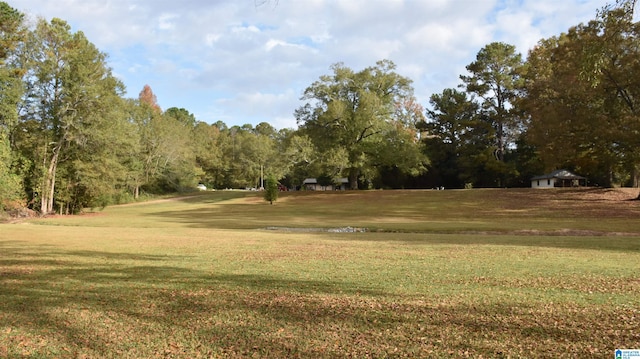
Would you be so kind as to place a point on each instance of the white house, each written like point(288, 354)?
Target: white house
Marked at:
point(311, 184)
point(558, 178)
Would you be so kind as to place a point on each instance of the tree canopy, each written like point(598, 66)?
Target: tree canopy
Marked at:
point(70, 94)
point(353, 120)
point(582, 89)
point(12, 34)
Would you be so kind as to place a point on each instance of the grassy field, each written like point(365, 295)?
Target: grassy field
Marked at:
point(469, 273)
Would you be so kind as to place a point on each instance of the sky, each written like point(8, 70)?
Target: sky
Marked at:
point(249, 61)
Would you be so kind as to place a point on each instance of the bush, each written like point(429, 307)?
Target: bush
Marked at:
point(271, 190)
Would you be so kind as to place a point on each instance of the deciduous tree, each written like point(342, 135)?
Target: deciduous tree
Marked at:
point(581, 95)
point(70, 90)
point(356, 121)
point(12, 33)
point(208, 152)
point(148, 97)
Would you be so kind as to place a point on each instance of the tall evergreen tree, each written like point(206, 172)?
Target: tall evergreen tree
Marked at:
point(494, 78)
point(460, 142)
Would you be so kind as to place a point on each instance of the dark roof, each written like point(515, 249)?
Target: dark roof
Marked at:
point(559, 174)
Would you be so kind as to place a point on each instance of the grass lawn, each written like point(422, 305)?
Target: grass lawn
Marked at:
point(473, 273)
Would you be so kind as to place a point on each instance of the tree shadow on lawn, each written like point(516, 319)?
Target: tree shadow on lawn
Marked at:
point(41, 287)
point(74, 303)
point(229, 217)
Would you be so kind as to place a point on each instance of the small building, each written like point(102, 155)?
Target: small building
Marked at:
point(311, 184)
point(558, 178)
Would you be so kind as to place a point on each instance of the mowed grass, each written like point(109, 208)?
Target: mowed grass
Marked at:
point(477, 273)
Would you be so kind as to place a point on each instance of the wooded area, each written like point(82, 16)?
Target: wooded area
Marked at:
point(69, 139)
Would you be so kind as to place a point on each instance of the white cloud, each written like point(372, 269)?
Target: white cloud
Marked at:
point(165, 21)
point(245, 30)
point(273, 43)
point(210, 39)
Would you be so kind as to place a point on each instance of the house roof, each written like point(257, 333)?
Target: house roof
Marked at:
point(559, 174)
point(315, 181)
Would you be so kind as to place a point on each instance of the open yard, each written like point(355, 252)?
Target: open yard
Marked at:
point(461, 273)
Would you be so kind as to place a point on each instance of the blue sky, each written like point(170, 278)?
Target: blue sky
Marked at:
point(245, 61)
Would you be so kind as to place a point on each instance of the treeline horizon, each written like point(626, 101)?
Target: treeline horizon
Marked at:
point(69, 139)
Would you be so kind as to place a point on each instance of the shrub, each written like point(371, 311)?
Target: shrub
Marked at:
point(271, 190)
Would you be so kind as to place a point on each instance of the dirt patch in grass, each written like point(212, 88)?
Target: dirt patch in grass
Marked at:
point(347, 229)
point(83, 214)
point(585, 201)
point(569, 232)
point(524, 232)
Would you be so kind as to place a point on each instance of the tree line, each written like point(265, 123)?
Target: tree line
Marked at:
point(69, 139)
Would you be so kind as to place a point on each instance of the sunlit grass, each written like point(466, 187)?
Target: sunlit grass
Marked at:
point(189, 278)
point(453, 211)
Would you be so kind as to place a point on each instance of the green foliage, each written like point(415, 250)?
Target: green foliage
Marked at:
point(168, 156)
point(68, 108)
point(582, 90)
point(353, 121)
point(182, 116)
point(11, 30)
point(301, 159)
point(456, 131)
point(325, 180)
point(271, 190)
point(11, 35)
point(10, 185)
point(247, 153)
point(495, 78)
point(207, 150)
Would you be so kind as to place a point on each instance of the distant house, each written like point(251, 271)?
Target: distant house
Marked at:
point(558, 178)
point(311, 184)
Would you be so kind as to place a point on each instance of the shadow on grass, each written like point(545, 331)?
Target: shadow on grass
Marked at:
point(97, 304)
point(212, 196)
point(43, 287)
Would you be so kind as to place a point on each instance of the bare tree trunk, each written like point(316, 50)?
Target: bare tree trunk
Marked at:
point(636, 178)
point(46, 203)
point(353, 178)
